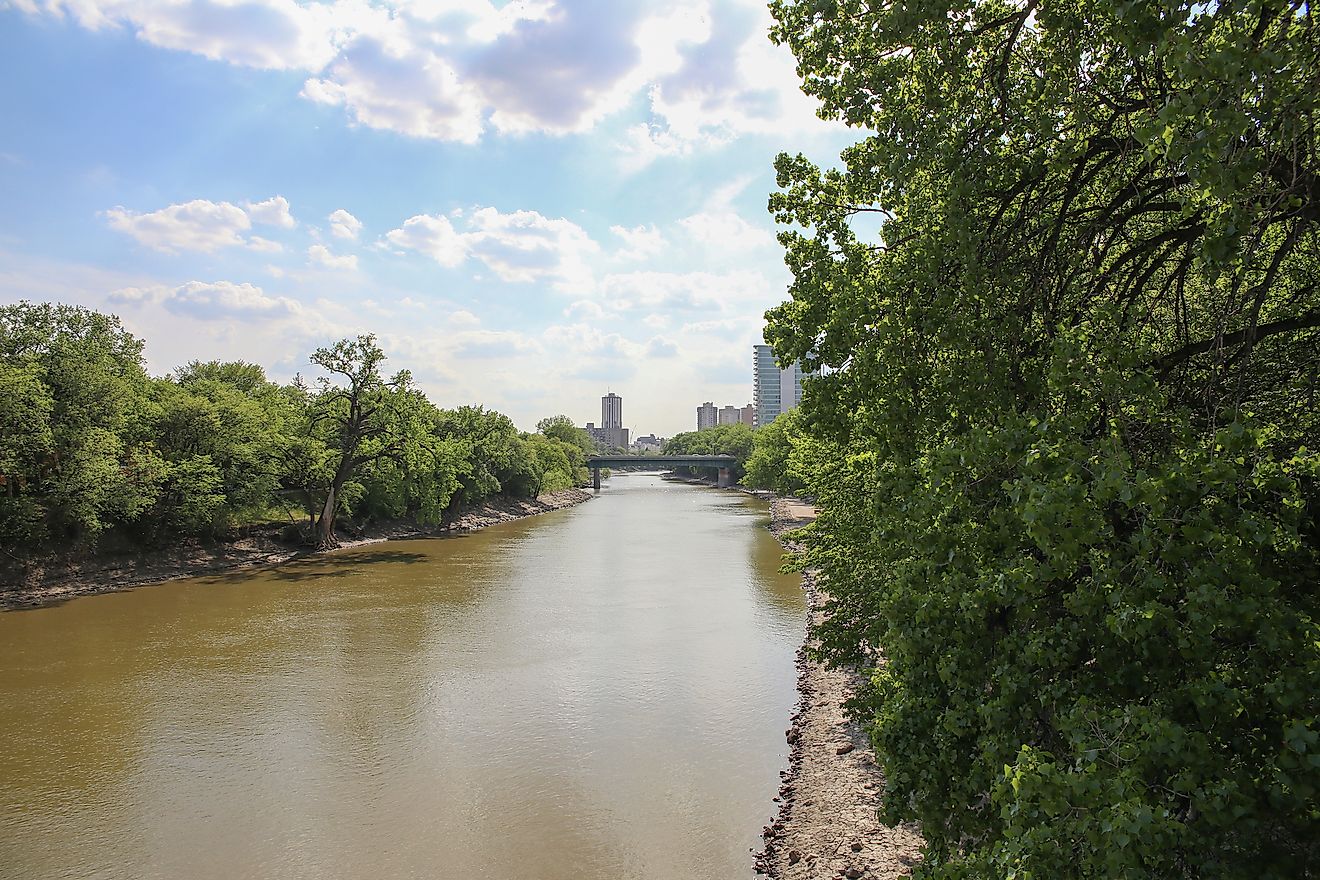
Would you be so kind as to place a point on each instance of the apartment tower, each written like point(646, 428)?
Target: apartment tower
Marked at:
point(774, 391)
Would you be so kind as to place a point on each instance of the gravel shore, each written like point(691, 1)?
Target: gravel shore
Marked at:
point(87, 574)
point(827, 825)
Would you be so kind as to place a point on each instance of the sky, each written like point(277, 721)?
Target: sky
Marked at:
point(529, 203)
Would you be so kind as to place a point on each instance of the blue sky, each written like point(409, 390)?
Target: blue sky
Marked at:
point(528, 203)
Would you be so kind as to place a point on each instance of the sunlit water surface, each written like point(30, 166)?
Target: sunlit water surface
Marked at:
point(599, 692)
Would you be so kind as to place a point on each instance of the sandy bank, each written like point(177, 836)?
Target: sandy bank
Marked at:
point(87, 574)
point(826, 826)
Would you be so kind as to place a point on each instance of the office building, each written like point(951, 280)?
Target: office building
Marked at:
point(611, 421)
point(775, 391)
point(649, 443)
point(707, 416)
point(611, 411)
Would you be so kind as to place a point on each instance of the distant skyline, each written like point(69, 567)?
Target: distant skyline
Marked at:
point(529, 203)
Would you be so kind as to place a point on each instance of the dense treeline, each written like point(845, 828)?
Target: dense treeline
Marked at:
point(735, 440)
point(1065, 438)
point(90, 444)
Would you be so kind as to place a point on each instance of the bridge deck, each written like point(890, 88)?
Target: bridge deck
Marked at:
point(716, 461)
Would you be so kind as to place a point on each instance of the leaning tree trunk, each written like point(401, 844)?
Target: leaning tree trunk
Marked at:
point(325, 528)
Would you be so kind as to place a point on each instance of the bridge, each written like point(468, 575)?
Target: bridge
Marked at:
point(723, 462)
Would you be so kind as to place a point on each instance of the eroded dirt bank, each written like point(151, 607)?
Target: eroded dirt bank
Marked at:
point(826, 826)
point(87, 574)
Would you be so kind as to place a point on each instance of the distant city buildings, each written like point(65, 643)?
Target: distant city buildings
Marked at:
point(611, 434)
point(648, 443)
point(774, 391)
point(734, 415)
point(709, 416)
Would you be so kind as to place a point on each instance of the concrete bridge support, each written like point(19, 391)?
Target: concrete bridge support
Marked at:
point(726, 478)
point(595, 478)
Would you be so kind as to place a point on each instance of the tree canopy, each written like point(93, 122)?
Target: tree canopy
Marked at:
point(91, 445)
point(1065, 294)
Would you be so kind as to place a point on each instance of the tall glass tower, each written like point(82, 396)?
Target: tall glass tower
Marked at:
point(774, 391)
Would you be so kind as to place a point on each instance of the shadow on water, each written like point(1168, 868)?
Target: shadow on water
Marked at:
point(336, 565)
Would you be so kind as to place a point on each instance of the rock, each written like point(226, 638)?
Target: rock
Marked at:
point(844, 749)
point(856, 846)
point(853, 873)
point(794, 857)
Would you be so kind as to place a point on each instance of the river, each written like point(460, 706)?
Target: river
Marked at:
point(597, 692)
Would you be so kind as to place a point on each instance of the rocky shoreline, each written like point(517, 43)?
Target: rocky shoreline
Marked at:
point(95, 573)
point(827, 826)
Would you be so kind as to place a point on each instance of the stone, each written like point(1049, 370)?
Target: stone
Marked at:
point(844, 749)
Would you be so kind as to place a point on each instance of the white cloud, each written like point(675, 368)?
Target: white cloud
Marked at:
point(272, 212)
point(491, 344)
point(320, 255)
point(198, 225)
point(403, 89)
point(207, 300)
point(344, 224)
point(271, 34)
point(725, 231)
point(639, 242)
point(433, 236)
point(643, 143)
point(519, 247)
point(524, 246)
point(455, 69)
point(701, 293)
point(589, 341)
point(257, 243)
point(659, 347)
point(585, 310)
point(202, 226)
point(463, 318)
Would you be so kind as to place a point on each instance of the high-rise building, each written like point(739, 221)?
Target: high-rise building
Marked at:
point(775, 391)
point(611, 411)
point(611, 421)
point(728, 415)
point(747, 415)
point(707, 416)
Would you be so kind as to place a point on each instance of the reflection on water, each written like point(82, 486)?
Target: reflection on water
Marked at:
point(598, 692)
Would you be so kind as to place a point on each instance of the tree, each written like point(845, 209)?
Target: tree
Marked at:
point(74, 462)
point(1070, 389)
point(771, 465)
point(360, 417)
point(735, 440)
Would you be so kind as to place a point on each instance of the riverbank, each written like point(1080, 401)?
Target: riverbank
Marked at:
point(826, 826)
point(88, 574)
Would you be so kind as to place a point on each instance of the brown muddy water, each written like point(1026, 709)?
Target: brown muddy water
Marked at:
point(598, 692)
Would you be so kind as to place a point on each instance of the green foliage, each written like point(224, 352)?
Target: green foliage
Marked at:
point(78, 378)
point(89, 443)
point(735, 440)
point(773, 463)
point(1065, 447)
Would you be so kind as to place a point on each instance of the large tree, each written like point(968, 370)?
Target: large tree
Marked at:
point(1066, 294)
point(359, 417)
point(72, 453)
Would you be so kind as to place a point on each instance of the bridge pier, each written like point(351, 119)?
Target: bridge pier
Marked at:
point(724, 464)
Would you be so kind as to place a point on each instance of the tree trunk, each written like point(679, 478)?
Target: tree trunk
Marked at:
point(325, 529)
